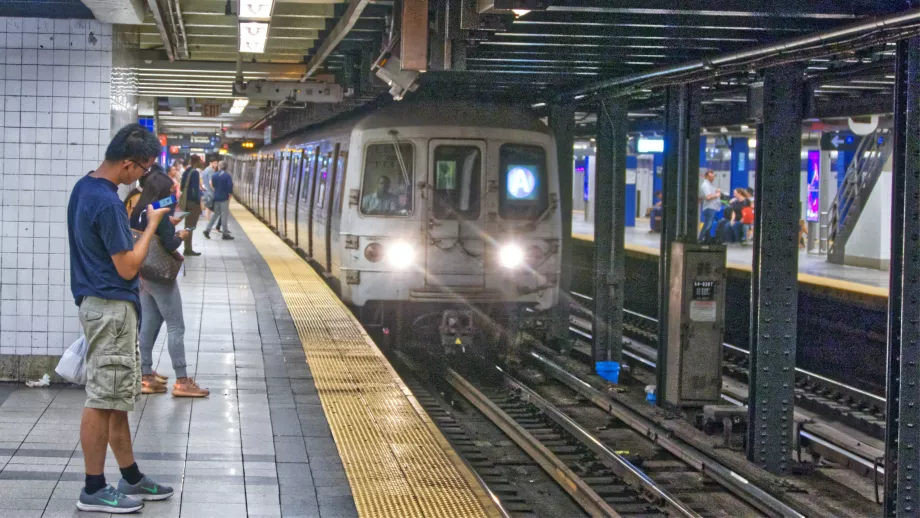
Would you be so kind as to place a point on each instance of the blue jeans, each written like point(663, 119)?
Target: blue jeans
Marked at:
point(739, 232)
point(708, 216)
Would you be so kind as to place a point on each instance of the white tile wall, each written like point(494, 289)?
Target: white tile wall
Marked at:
point(55, 124)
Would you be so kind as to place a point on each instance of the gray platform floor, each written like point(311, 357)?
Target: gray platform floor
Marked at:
point(811, 264)
point(258, 446)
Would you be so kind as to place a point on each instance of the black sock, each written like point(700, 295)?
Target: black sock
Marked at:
point(94, 483)
point(132, 474)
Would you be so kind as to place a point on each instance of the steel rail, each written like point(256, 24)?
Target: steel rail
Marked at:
point(726, 477)
point(590, 501)
point(805, 431)
point(821, 40)
point(633, 476)
point(846, 388)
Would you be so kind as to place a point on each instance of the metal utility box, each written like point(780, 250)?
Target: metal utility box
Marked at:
point(696, 324)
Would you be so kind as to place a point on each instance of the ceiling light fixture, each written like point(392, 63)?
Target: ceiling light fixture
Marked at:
point(260, 10)
point(253, 36)
point(238, 106)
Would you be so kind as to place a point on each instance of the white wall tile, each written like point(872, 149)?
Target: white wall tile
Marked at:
point(54, 127)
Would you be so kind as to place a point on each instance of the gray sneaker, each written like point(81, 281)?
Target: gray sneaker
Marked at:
point(146, 489)
point(108, 500)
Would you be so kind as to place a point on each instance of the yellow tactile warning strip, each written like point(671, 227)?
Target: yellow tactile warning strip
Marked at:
point(397, 462)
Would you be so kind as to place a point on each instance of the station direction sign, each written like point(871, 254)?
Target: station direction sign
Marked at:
point(201, 141)
point(839, 141)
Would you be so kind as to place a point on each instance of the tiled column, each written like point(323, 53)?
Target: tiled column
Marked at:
point(54, 127)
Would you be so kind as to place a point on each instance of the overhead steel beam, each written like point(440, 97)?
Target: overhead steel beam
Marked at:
point(157, 15)
point(856, 36)
point(610, 231)
point(337, 34)
point(742, 8)
point(578, 32)
point(732, 24)
point(127, 12)
point(902, 420)
point(774, 277)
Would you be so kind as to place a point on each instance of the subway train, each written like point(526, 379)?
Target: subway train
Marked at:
point(438, 223)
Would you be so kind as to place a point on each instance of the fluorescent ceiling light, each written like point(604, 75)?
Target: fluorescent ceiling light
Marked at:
point(253, 36)
point(238, 106)
point(255, 9)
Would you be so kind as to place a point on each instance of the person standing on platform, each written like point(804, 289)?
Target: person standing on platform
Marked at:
point(711, 199)
point(207, 191)
point(191, 201)
point(104, 261)
point(223, 186)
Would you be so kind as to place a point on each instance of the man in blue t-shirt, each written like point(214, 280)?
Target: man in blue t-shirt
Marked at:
point(223, 188)
point(104, 261)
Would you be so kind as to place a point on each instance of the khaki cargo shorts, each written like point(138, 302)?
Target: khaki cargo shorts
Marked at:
point(113, 365)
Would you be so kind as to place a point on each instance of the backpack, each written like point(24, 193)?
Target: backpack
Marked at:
point(747, 215)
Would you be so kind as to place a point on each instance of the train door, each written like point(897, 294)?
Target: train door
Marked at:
point(334, 209)
point(281, 193)
point(321, 210)
point(272, 193)
point(309, 199)
point(290, 210)
point(267, 167)
point(455, 246)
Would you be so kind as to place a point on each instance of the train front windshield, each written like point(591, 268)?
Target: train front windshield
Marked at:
point(523, 186)
point(386, 190)
point(457, 182)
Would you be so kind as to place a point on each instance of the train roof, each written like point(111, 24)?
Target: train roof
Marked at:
point(454, 113)
point(420, 113)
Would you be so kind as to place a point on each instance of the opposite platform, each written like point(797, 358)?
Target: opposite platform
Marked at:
point(813, 269)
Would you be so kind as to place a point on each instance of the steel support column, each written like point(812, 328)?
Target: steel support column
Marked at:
point(679, 200)
point(902, 433)
point(562, 122)
point(774, 286)
point(610, 230)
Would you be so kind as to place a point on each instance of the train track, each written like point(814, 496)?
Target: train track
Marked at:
point(580, 445)
point(856, 408)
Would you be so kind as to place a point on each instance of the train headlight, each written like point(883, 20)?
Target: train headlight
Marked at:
point(374, 252)
point(400, 254)
point(511, 256)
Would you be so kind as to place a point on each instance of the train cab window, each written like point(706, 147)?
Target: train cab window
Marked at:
point(523, 189)
point(457, 183)
point(386, 187)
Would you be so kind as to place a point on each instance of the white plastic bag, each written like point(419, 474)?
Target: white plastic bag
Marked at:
point(72, 366)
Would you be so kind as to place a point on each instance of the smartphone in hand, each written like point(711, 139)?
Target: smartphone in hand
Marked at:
point(165, 202)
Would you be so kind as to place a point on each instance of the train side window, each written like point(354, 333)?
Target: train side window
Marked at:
point(457, 173)
point(324, 164)
point(339, 182)
point(385, 191)
point(523, 189)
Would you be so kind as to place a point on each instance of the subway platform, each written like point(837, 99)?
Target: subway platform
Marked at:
point(293, 393)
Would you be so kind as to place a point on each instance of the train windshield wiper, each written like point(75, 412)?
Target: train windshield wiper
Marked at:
point(399, 158)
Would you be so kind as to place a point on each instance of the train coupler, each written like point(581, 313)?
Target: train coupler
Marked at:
point(457, 330)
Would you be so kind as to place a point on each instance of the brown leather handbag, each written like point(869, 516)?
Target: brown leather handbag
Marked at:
point(159, 265)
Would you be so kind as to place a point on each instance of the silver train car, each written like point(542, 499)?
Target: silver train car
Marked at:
point(425, 217)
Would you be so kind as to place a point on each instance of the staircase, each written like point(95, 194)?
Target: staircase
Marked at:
point(851, 199)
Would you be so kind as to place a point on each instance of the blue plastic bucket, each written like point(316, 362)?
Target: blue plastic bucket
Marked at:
point(610, 371)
